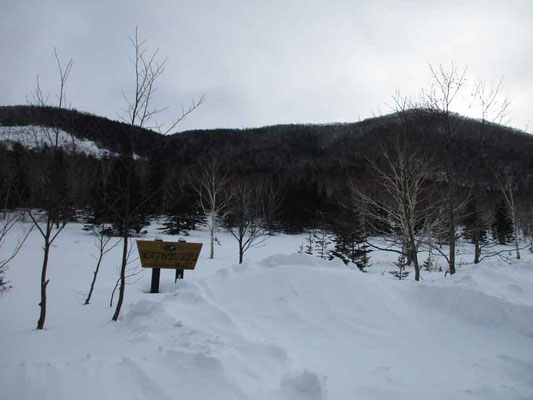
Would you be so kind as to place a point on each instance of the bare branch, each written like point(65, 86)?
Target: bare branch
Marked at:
point(64, 73)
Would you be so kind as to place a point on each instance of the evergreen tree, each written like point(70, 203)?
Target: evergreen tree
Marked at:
point(157, 178)
point(322, 241)
point(349, 234)
point(181, 223)
point(21, 186)
point(502, 226)
point(184, 213)
point(124, 177)
point(474, 226)
point(401, 273)
point(310, 244)
point(99, 213)
point(302, 201)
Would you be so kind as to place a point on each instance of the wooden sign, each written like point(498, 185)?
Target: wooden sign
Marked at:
point(171, 255)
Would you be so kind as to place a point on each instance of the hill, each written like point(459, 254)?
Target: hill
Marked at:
point(109, 134)
point(332, 149)
point(308, 165)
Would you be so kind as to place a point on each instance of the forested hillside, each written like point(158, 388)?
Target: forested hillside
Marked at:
point(309, 166)
point(330, 148)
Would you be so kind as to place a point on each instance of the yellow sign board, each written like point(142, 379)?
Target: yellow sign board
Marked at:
point(172, 255)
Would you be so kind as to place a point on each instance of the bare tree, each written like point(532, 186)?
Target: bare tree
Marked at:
point(132, 270)
point(50, 183)
point(8, 222)
point(49, 223)
point(508, 187)
point(493, 108)
point(50, 137)
point(139, 111)
point(528, 228)
point(242, 218)
point(444, 89)
point(210, 181)
point(10, 218)
point(270, 199)
point(399, 203)
point(125, 204)
point(103, 243)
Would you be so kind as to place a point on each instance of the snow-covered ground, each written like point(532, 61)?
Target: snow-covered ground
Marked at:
point(281, 326)
point(36, 137)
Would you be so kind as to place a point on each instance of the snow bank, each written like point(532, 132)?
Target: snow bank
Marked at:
point(281, 326)
point(303, 386)
point(493, 295)
point(279, 260)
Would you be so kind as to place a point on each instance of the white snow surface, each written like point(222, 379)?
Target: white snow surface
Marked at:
point(280, 326)
point(37, 137)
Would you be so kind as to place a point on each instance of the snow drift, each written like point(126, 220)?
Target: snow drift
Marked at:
point(286, 326)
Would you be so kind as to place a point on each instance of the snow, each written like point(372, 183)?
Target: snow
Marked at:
point(33, 137)
point(282, 325)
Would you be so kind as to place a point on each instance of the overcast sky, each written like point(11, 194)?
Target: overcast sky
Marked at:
point(266, 62)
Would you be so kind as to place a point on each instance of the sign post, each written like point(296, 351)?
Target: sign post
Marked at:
point(167, 255)
point(156, 274)
point(179, 271)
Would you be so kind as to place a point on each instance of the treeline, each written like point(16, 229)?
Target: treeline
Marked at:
point(159, 188)
point(310, 165)
point(330, 152)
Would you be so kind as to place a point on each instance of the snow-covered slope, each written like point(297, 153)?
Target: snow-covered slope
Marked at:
point(280, 326)
point(34, 137)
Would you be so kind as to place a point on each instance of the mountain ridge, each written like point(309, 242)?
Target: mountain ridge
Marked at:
point(334, 148)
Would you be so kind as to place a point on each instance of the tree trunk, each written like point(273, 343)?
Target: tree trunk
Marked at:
point(241, 251)
point(515, 226)
point(452, 249)
point(516, 242)
point(417, 268)
point(44, 281)
point(451, 232)
point(409, 254)
point(122, 287)
point(88, 299)
point(413, 251)
point(477, 252)
point(477, 227)
point(6, 200)
point(212, 241)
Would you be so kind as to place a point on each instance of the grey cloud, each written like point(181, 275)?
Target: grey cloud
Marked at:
point(266, 62)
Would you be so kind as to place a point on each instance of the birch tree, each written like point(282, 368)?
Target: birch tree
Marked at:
point(508, 189)
point(444, 90)
point(210, 181)
point(400, 202)
point(104, 244)
point(492, 107)
point(242, 217)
